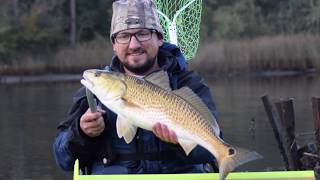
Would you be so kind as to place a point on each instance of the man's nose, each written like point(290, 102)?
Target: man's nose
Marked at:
point(134, 43)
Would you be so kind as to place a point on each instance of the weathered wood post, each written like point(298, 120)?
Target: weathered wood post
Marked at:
point(280, 130)
point(316, 117)
point(286, 113)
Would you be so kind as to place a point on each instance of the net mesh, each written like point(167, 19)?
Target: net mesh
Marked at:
point(187, 23)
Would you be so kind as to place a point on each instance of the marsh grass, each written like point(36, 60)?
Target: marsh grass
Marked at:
point(94, 54)
point(29, 65)
point(298, 53)
point(281, 53)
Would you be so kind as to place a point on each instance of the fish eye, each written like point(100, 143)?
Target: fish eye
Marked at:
point(97, 74)
point(231, 151)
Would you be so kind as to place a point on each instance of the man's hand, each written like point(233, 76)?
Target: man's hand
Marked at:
point(163, 133)
point(92, 124)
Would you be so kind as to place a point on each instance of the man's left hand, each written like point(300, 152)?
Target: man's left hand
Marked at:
point(163, 133)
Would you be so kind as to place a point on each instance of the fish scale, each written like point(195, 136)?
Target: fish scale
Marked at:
point(181, 112)
point(178, 110)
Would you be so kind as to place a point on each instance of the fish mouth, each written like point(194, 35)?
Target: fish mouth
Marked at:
point(88, 77)
point(86, 82)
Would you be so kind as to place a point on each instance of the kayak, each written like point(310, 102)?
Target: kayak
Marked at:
point(269, 175)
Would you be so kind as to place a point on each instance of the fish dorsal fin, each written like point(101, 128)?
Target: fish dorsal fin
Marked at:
point(125, 129)
point(159, 78)
point(188, 95)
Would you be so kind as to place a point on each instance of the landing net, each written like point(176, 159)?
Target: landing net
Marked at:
point(180, 20)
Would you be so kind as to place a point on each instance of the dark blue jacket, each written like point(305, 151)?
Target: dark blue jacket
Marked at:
point(107, 154)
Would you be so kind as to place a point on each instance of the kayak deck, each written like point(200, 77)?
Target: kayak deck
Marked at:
point(270, 175)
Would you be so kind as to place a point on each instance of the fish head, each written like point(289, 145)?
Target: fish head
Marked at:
point(104, 84)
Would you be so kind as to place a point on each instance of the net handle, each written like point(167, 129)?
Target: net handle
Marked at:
point(172, 29)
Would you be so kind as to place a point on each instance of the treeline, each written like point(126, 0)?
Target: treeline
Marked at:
point(44, 26)
point(251, 18)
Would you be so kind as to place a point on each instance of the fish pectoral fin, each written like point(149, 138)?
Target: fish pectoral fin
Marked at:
point(120, 126)
point(187, 145)
point(125, 129)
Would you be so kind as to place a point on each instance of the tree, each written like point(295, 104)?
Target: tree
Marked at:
point(236, 20)
point(16, 9)
point(73, 22)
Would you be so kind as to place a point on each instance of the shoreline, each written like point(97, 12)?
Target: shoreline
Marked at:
point(15, 79)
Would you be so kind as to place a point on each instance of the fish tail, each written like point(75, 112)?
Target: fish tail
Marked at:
point(235, 158)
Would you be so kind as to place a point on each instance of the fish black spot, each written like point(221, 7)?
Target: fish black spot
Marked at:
point(231, 151)
point(97, 74)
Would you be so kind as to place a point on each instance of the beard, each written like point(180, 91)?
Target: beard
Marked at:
point(142, 68)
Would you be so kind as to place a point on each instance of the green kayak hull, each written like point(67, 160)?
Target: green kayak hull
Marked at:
point(270, 175)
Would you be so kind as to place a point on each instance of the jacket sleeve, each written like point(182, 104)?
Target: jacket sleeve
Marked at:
point(71, 143)
point(197, 84)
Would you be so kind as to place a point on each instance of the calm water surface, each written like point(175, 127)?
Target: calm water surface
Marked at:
point(29, 114)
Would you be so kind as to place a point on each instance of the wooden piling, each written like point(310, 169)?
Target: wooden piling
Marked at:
point(281, 125)
point(316, 117)
point(286, 112)
point(317, 172)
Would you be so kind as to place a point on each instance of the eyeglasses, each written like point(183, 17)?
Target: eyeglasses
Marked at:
point(143, 35)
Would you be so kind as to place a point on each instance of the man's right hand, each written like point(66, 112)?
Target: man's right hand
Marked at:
point(92, 124)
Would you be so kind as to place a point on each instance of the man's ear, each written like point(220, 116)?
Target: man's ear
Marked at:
point(114, 49)
point(160, 42)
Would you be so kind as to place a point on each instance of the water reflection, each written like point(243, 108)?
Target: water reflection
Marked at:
point(240, 105)
point(29, 114)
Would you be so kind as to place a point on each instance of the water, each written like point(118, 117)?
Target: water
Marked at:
point(29, 114)
point(239, 102)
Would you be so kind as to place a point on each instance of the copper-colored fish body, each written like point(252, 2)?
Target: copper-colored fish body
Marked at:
point(144, 102)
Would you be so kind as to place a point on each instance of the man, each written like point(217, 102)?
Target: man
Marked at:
point(137, 39)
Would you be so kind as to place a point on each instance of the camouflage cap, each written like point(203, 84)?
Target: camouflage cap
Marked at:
point(129, 14)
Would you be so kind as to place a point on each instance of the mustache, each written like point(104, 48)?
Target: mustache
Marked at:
point(136, 50)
